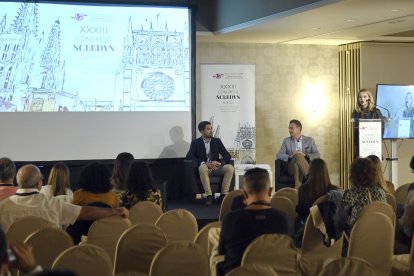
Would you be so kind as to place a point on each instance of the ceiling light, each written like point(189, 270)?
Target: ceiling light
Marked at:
point(315, 28)
point(397, 10)
point(350, 20)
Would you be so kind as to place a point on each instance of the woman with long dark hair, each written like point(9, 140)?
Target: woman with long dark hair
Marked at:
point(317, 185)
point(121, 165)
point(140, 185)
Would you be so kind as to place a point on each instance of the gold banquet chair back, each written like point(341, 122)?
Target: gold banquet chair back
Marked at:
point(372, 239)
point(391, 201)
point(275, 250)
point(84, 260)
point(347, 266)
point(225, 207)
point(182, 258)
point(314, 252)
point(286, 205)
point(105, 233)
point(178, 225)
point(401, 193)
point(252, 270)
point(378, 207)
point(403, 264)
point(22, 228)
point(145, 212)
point(290, 193)
point(202, 236)
point(137, 247)
point(47, 244)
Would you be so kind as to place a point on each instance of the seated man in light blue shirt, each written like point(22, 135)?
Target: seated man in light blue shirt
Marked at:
point(298, 150)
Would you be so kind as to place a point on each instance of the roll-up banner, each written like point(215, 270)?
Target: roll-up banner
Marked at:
point(228, 102)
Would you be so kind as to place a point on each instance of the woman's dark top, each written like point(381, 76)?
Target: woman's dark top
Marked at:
point(305, 201)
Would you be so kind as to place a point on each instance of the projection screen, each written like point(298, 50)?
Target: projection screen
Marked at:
point(86, 81)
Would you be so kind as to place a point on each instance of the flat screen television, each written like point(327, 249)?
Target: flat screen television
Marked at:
point(396, 102)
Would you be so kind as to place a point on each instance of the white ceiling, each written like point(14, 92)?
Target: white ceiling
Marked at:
point(336, 23)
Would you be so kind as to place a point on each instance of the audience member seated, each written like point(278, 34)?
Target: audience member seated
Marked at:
point(95, 186)
point(29, 202)
point(364, 178)
point(241, 227)
point(58, 182)
point(317, 185)
point(139, 182)
point(387, 186)
point(404, 228)
point(7, 174)
point(121, 165)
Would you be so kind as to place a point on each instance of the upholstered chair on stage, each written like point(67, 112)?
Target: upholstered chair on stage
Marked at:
point(192, 182)
point(282, 178)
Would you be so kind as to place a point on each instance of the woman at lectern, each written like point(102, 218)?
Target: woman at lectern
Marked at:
point(365, 109)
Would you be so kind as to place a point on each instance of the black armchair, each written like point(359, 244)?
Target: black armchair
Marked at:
point(192, 182)
point(282, 177)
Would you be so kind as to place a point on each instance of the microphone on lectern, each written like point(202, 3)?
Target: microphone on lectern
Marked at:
point(388, 112)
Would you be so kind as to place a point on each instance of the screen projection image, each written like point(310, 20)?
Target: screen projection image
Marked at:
point(70, 60)
point(398, 99)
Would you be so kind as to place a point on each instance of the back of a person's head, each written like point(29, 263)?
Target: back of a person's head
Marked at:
point(28, 176)
point(95, 178)
point(364, 173)
point(256, 181)
point(319, 180)
point(412, 164)
point(59, 178)
point(7, 169)
point(139, 179)
point(121, 165)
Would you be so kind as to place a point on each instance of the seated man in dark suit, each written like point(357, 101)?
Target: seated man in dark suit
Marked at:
point(241, 227)
point(205, 151)
point(298, 150)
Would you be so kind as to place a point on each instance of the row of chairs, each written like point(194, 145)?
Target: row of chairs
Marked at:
point(373, 247)
point(135, 250)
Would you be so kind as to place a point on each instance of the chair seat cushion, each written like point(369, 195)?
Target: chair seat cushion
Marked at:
point(215, 179)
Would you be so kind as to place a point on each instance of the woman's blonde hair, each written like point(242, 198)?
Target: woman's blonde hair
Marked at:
point(59, 178)
point(370, 104)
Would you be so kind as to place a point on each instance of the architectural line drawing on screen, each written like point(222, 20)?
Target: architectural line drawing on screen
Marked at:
point(77, 59)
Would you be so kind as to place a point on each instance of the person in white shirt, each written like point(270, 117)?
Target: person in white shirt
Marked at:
point(29, 202)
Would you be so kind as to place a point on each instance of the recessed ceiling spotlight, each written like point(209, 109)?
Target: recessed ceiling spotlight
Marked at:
point(397, 10)
point(315, 28)
point(350, 20)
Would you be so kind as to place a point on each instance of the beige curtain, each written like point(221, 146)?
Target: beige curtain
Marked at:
point(349, 84)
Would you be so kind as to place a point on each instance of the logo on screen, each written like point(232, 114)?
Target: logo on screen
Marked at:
point(218, 76)
point(79, 16)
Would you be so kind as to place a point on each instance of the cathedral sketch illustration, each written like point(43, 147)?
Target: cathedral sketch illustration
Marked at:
point(31, 71)
point(154, 71)
point(35, 75)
